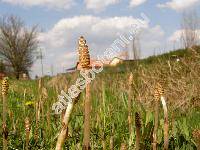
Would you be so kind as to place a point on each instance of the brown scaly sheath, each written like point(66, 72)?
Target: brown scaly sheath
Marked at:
point(65, 122)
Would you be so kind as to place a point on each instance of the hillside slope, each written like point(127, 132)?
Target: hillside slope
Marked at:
point(110, 91)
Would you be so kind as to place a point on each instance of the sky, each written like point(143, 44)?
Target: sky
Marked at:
point(62, 22)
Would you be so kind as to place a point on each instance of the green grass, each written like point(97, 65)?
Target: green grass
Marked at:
point(110, 108)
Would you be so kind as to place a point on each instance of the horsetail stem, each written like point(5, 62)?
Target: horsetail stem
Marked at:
point(138, 127)
point(166, 124)
point(5, 87)
point(130, 103)
point(156, 119)
point(27, 129)
point(158, 95)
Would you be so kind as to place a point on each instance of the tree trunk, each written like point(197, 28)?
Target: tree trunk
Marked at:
point(17, 74)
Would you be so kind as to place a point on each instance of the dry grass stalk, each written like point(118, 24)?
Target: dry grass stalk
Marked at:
point(84, 60)
point(166, 124)
point(103, 142)
point(37, 111)
point(39, 107)
point(112, 139)
point(112, 142)
point(11, 116)
point(130, 103)
point(138, 127)
point(156, 119)
point(101, 127)
point(173, 124)
point(65, 122)
point(44, 97)
point(27, 129)
point(48, 121)
point(5, 87)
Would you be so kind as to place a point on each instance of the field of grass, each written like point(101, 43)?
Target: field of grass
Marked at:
point(110, 93)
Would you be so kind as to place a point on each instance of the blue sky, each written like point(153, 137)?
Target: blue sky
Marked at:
point(63, 21)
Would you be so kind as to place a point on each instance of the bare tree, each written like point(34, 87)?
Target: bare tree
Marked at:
point(190, 26)
point(17, 44)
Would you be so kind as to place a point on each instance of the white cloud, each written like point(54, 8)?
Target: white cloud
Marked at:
point(54, 4)
point(60, 42)
point(99, 5)
point(176, 36)
point(95, 5)
point(179, 5)
point(151, 42)
point(66, 31)
point(134, 3)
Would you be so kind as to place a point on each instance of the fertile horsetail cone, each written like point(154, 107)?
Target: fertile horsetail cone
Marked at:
point(84, 56)
point(138, 120)
point(81, 45)
point(27, 125)
point(130, 81)
point(82, 41)
point(160, 89)
point(5, 86)
point(196, 134)
point(156, 94)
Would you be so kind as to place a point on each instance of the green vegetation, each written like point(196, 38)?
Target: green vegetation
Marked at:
point(109, 93)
